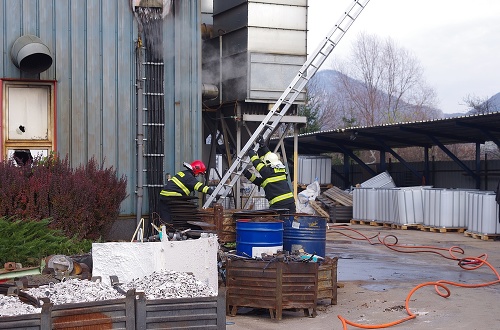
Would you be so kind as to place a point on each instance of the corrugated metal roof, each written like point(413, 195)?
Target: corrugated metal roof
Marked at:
point(463, 129)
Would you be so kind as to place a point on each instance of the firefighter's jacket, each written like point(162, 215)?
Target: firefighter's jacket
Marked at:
point(273, 180)
point(183, 183)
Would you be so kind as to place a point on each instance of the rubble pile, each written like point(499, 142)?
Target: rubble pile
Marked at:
point(75, 291)
point(158, 285)
point(11, 306)
point(170, 284)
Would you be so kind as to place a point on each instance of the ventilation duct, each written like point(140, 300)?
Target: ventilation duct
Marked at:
point(209, 91)
point(30, 54)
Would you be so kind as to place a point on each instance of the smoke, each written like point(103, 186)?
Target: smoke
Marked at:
point(150, 20)
point(232, 69)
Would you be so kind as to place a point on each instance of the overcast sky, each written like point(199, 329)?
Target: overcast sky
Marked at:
point(456, 41)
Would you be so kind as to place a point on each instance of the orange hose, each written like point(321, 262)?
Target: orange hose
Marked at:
point(469, 263)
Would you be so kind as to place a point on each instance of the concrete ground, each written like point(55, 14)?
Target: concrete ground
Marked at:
point(375, 282)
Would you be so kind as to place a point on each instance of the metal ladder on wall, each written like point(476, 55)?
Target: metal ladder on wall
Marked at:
point(273, 118)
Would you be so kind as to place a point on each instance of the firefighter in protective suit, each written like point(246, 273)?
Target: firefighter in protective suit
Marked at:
point(273, 178)
point(182, 184)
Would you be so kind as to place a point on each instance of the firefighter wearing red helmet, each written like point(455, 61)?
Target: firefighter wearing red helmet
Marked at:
point(182, 184)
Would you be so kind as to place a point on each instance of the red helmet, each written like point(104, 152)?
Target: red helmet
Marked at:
point(198, 167)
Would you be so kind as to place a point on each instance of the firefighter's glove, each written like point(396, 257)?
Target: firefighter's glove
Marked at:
point(261, 142)
point(251, 153)
point(247, 173)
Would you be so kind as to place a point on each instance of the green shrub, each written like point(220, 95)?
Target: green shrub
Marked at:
point(27, 242)
point(83, 203)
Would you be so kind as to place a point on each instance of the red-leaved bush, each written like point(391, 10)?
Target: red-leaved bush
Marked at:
point(82, 202)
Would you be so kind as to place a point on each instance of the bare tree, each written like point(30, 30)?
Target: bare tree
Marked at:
point(384, 83)
point(480, 105)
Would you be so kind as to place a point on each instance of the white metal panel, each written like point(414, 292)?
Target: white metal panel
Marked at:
point(418, 205)
point(411, 205)
point(268, 72)
point(277, 16)
point(447, 206)
point(276, 41)
point(394, 207)
point(460, 197)
point(382, 180)
point(356, 203)
point(382, 209)
point(489, 221)
point(284, 2)
point(314, 167)
point(372, 205)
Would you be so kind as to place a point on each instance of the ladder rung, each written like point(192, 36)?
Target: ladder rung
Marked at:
point(153, 124)
point(152, 63)
point(153, 155)
point(153, 94)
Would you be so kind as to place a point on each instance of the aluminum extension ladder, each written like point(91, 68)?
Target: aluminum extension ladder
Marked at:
point(266, 127)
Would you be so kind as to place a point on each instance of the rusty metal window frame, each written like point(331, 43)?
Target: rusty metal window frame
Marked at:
point(39, 144)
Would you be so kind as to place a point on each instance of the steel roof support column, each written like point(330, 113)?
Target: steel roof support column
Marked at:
point(401, 160)
point(383, 165)
point(478, 166)
point(356, 159)
point(455, 158)
point(347, 182)
point(426, 166)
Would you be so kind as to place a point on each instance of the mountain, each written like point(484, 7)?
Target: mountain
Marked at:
point(490, 105)
point(326, 81)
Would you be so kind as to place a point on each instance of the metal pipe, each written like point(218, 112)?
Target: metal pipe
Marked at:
point(140, 132)
point(295, 159)
point(209, 91)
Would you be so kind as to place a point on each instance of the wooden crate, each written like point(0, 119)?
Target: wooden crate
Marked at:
point(271, 285)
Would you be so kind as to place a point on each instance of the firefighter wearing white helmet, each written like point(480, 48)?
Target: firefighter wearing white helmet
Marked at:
point(273, 178)
point(272, 160)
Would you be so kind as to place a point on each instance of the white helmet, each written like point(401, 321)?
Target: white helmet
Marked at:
point(272, 160)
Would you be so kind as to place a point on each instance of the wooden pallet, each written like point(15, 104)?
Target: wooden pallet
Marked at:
point(317, 207)
point(380, 224)
point(360, 222)
point(484, 237)
point(405, 226)
point(442, 229)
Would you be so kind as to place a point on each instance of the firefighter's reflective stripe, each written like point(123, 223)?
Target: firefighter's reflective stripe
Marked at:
point(170, 193)
point(273, 179)
point(253, 177)
point(180, 184)
point(260, 166)
point(203, 190)
point(280, 198)
point(254, 157)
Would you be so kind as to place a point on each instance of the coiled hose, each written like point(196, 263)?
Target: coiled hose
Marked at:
point(441, 286)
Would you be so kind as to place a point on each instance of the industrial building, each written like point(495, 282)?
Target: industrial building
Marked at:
point(144, 86)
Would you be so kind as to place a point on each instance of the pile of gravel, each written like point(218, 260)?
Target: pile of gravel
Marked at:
point(158, 285)
point(170, 284)
point(11, 306)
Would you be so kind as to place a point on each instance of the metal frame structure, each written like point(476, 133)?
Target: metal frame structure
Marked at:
point(475, 129)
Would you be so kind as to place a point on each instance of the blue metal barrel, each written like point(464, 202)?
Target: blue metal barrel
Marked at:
point(307, 232)
point(254, 238)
